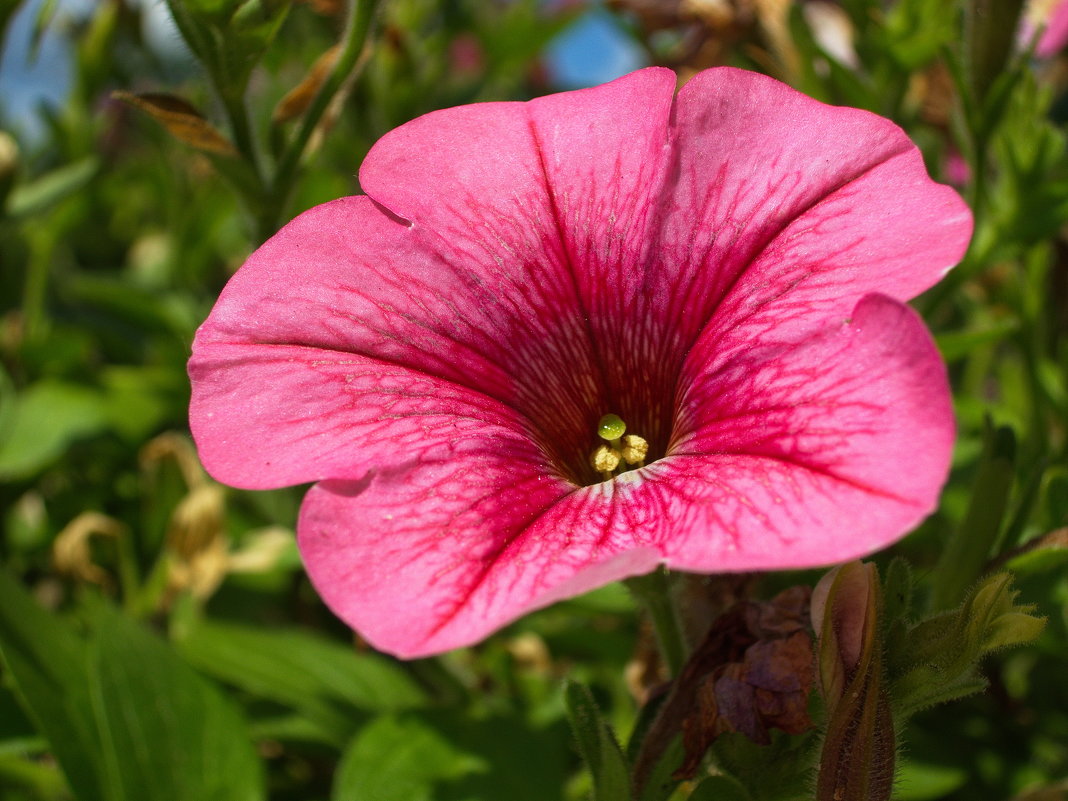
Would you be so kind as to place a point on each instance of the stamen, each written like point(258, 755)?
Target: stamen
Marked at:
point(634, 450)
point(621, 453)
point(605, 460)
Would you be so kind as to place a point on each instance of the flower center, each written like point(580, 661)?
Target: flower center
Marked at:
point(620, 451)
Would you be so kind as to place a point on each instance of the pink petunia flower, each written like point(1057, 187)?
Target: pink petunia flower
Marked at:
point(438, 354)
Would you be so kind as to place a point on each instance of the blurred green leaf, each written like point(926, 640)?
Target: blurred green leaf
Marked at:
point(917, 781)
point(328, 682)
point(990, 28)
point(720, 788)
point(1048, 552)
point(126, 718)
point(7, 10)
point(916, 30)
point(398, 759)
point(140, 399)
point(955, 345)
point(229, 37)
point(969, 548)
point(47, 418)
point(165, 733)
point(48, 661)
point(34, 197)
point(598, 745)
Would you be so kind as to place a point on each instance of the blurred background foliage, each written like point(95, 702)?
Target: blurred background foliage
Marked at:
point(160, 639)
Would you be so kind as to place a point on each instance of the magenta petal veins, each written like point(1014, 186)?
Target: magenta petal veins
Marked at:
point(724, 269)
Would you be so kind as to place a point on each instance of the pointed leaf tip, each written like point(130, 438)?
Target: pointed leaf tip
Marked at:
point(181, 119)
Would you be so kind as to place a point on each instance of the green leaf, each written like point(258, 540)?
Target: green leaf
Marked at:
point(955, 345)
point(229, 36)
point(126, 718)
point(165, 733)
point(916, 30)
point(597, 744)
point(1045, 553)
point(917, 781)
point(939, 660)
point(720, 788)
point(968, 549)
point(44, 421)
point(661, 781)
point(47, 661)
point(36, 196)
point(398, 759)
point(897, 590)
point(327, 681)
point(990, 36)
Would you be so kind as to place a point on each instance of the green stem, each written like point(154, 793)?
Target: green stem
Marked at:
point(241, 128)
point(361, 13)
point(35, 290)
point(654, 590)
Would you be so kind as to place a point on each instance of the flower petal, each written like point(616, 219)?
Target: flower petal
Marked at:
point(787, 211)
point(267, 416)
point(813, 453)
point(801, 457)
point(549, 203)
point(420, 559)
point(318, 362)
point(345, 276)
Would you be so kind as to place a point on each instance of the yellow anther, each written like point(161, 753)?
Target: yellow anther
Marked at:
point(605, 459)
point(634, 449)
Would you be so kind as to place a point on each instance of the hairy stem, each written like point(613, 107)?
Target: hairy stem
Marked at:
point(654, 590)
point(361, 14)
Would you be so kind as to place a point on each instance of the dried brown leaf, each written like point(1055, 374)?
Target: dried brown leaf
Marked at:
point(752, 673)
point(181, 119)
point(297, 100)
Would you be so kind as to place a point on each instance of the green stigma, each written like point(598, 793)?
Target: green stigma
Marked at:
point(611, 427)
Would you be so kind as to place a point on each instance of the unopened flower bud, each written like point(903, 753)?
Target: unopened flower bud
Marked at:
point(857, 760)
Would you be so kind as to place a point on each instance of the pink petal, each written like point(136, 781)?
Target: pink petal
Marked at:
point(814, 453)
point(422, 559)
point(316, 363)
point(786, 463)
point(269, 416)
point(549, 203)
point(787, 211)
point(1055, 36)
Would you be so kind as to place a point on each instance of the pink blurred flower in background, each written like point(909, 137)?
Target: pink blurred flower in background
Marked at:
point(724, 269)
point(1052, 17)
